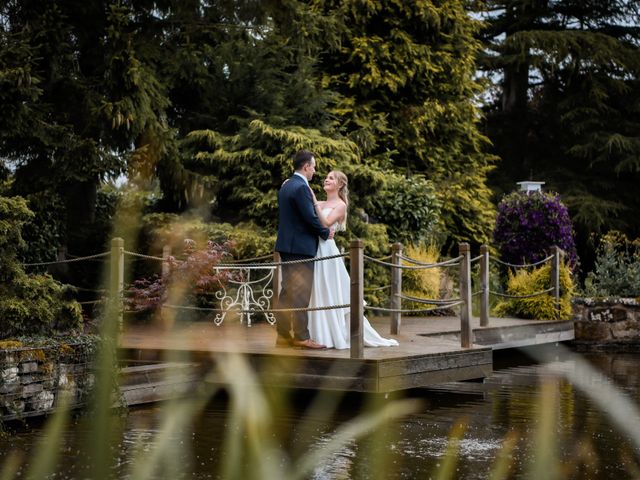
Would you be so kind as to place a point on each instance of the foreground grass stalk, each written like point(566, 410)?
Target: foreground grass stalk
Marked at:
point(448, 467)
point(503, 463)
point(354, 429)
point(48, 450)
point(544, 459)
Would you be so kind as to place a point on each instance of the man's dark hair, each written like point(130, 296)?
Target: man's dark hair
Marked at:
point(301, 158)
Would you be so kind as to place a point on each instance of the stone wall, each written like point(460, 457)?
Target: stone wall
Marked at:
point(607, 324)
point(32, 379)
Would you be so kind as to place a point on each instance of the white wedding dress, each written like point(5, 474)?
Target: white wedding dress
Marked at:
point(332, 286)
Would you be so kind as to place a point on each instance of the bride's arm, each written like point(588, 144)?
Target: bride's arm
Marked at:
point(335, 215)
point(318, 207)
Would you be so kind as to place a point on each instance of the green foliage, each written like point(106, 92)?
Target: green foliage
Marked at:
point(376, 241)
point(540, 307)
point(45, 232)
point(617, 268)
point(251, 166)
point(96, 89)
point(564, 106)
point(245, 240)
point(421, 283)
point(405, 72)
point(37, 305)
point(28, 304)
point(408, 206)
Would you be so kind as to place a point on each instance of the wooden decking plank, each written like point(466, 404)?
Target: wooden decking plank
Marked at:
point(429, 352)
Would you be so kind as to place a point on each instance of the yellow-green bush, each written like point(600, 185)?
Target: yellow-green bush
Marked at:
point(423, 282)
point(540, 307)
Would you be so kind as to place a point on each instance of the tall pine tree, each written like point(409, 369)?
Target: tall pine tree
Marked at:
point(566, 104)
point(405, 75)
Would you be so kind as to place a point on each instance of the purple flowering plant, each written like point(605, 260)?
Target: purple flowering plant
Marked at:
point(529, 224)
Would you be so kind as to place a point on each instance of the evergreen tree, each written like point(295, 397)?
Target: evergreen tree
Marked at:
point(565, 105)
point(78, 90)
point(405, 75)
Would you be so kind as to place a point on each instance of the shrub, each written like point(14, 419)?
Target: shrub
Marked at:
point(29, 304)
point(376, 244)
point(242, 241)
point(190, 282)
point(421, 283)
point(530, 224)
point(409, 207)
point(540, 307)
point(617, 268)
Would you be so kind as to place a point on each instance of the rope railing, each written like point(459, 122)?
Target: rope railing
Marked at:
point(376, 289)
point(400, 310)
point(522, 265)
point(70, 260)
point(146, 257)
point(279, 264)
point(248, 305)
point(431, 301)
point(253, 310)
point(91, 290)
point(419, 265)
point(92, 302)
point(248, 260)
point(446, 263)
point(531, 295)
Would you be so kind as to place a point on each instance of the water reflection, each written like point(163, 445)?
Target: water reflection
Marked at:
point(506, 403)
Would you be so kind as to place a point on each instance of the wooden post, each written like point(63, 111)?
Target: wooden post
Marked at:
point(465, 295)
point(555, 278)
point(484, 286)
point(116, 285)
point(395, 302)
point(166, 266)
point(357, 298)
point(276, 281)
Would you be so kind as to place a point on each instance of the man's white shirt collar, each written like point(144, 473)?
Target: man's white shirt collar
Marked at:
point(303, 177)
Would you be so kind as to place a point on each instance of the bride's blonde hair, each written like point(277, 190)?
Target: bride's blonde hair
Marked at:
point(343, 192)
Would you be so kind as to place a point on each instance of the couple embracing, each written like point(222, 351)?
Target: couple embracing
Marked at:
point(305, 230)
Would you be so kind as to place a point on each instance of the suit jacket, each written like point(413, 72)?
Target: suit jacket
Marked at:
point(299, 226)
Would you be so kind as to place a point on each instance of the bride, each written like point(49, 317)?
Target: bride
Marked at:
point(331, 282)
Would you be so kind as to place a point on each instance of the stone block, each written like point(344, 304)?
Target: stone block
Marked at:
point(67, 381)
point(42, 401)
point(9, 375)
point(592, 331)
point(30, 389)
point(627, 330)
point(8, 360)
point(28, 367)
point(14, 407)
point(10, 388)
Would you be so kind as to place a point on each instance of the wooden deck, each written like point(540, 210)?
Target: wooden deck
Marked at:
point(429, 352)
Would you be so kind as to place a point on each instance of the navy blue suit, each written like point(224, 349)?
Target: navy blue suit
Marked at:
point(298, 230)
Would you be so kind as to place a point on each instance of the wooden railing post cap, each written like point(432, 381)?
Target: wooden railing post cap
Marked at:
point(396, 247)
point(117, 242)
point(357, 243)
point(484, 248)
point(463, 247)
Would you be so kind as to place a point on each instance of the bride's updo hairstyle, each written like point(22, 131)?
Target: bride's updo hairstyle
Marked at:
point(343, 193)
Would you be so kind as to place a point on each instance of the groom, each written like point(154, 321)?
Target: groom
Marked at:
point(298, 230)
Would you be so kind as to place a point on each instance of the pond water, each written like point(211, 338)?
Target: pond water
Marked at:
point(580, 436)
